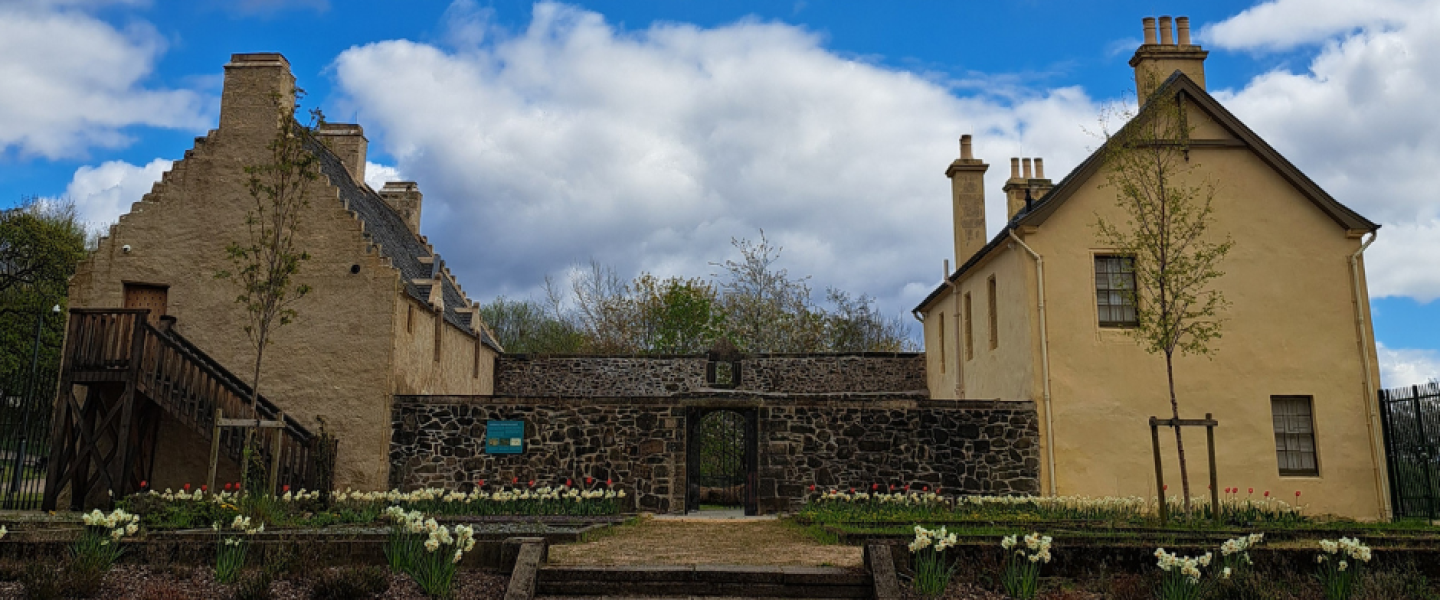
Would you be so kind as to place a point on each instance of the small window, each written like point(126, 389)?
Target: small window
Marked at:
point(969, 333)
point(941, 338)
point(1115, 291)
point(1294, 435)
point(994, 322)
point(439, 333)
point(475, 370)
point(410, 319)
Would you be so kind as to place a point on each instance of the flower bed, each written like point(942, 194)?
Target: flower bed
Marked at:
point(186, 509)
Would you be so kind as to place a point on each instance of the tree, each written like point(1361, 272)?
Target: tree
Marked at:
point(676, 315)
point(526, 327)
point(267, 263)
point(41, 243)
point(1168, 212)
point(855, 324)
point(765, 310)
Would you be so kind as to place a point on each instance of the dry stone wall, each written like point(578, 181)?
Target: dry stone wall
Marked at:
point(834, 373)
point(830, 441)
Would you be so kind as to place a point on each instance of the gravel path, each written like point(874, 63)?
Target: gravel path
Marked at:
point(721, 542)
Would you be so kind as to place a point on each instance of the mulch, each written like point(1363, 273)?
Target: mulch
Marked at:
point(130, 582)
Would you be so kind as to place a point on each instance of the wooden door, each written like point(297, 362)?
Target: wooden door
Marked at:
point(139, 295)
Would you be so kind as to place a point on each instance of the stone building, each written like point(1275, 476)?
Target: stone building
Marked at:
point(1034, 314)
point(385, 316)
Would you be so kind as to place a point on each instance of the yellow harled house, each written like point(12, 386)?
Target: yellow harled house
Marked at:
point(1033, 313)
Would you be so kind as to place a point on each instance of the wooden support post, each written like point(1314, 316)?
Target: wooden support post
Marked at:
point(275, 455)
point(214, 449)
point(1159, 472)
point(1214, 477)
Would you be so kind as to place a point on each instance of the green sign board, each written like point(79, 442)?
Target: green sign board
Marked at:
point(504, 437)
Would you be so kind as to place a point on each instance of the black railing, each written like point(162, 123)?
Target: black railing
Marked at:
point(1410, 417)
point(26, 402)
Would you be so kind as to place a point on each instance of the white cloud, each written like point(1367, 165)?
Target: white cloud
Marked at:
point(377, 174)
point(1400, 367)
point(101, 194)
point(650, 150)
point(1403, 261)
point(73, 81)
point(1357, 122)
point(1285, 24)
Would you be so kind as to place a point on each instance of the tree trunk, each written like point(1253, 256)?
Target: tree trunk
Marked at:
point(1179, 442)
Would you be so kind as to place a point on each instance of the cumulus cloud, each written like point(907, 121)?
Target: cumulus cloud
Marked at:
point(74, 82)
point(1400, 367)
point(651, 149)
point(102, 193)
point(1285, 24)
point(1355, 122)
point(377, 174)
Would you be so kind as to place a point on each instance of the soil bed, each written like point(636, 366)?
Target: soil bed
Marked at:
point(134, 582)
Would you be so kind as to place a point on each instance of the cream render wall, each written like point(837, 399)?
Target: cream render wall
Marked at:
point(416, 370)
point(1291, 330)
point(1006, 372)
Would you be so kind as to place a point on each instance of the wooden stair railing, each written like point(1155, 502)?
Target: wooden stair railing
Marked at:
point(120, 351)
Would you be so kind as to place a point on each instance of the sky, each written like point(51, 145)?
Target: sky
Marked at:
point(647, 135)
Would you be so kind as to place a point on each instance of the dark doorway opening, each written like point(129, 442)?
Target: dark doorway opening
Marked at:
point(721, 459)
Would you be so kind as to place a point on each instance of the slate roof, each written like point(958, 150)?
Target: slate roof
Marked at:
point(384, 227)
point(1177, 83)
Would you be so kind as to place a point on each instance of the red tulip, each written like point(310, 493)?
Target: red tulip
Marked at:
point(1297, 493)
point(874, 486)
point(287, 488)
point(1166, 487)
point(480, 483)
point(1252, 490)
point(203, 487)
point(589, 480)
point(237, 486)
point(927, 488)
point(567, 483)
point(907, 487)
point(187, 487)
point(144, 484)
point(852, 490)
point(532, 483)
point(1267, 493)
point(227, 487)
point(812, 487)
point(515, 481)
point(609, 482)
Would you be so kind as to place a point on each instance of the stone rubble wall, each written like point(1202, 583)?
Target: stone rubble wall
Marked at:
point(831, 441)
point(608, 376)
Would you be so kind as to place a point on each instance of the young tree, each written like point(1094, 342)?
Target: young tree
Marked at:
point(1167, 208)
point(267, 262)
point(526, 327)
point(765, 310)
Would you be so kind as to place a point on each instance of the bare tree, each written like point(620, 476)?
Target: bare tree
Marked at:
point(1167, 208)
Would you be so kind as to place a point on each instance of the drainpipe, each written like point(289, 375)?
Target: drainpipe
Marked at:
point(1370, 400)
point(1044, 363)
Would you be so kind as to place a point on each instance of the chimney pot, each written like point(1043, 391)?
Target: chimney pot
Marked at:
point(1167, 34)
point(1149, 30)
point(1039, 168)
point(1014, 168)
point(1025, 162)
point(1182, 28)
point(965, 152)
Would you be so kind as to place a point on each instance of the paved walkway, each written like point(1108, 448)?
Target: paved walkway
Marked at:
point(707, 540)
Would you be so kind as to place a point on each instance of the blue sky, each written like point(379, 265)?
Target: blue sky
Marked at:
point(646, 135)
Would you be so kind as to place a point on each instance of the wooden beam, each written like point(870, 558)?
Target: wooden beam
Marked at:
point(248, 423)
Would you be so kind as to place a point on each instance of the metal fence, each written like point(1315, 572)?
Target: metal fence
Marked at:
point(26, 403)
point(1411, 419)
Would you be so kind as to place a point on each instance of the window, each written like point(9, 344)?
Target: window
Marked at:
point(1294, 435)
point(942, 342)
point(994, 324)
point(1114, 291)
point(969, 338)
point(439, 332)
point(410, 319)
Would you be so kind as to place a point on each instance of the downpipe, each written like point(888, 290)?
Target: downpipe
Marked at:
point(1045, 362)
point(1382, 492)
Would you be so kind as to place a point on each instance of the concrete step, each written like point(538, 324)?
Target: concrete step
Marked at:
point(707, 581)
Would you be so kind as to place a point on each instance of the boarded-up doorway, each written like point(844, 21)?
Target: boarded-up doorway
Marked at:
point(147, 295)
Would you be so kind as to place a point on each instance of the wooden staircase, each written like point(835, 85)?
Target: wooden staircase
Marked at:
point(104, 437)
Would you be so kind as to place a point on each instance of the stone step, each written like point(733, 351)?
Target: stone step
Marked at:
point(708, 581)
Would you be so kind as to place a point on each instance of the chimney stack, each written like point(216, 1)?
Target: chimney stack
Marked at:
point(1025, 180)
point(1154, 63)
point(348, 142)
point(254, 83)
point(404, 198)
point(967, 201)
